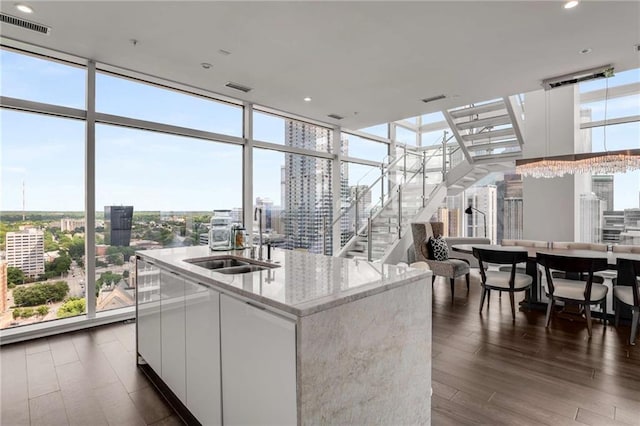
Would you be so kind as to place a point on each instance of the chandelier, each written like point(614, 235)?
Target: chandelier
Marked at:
point(607, 162)
point(594, 162)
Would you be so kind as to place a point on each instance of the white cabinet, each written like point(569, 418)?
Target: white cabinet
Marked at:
point(202, 330)
point(172, 320)
point(258, 365)
point(148, 327)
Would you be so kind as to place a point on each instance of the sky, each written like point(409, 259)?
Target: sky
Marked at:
point(155, 171)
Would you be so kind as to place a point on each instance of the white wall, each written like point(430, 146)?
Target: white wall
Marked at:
point(552, 127)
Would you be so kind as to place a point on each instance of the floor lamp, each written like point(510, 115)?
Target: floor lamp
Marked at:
point(469, 211)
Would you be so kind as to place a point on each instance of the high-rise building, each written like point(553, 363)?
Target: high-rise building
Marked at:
point(307, 188)
point(117, 225)
point(509, 214)
point(513, 220)
point(484, 199)
point(267, 212)
point(3, 286)
point(591, 214)
point(443, 216)
point(454, 207)
point(612, 226)
point(602, 186)
point(25, 251)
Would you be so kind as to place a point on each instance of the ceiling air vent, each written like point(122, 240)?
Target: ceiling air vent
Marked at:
point(23, 23)
point(433, 98)
point(335, 116)
point(237, 86)
point(577, 77)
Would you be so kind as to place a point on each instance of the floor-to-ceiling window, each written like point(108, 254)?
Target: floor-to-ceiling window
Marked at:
point(610, 121)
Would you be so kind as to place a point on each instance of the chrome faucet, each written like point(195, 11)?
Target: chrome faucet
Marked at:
point(257, 215)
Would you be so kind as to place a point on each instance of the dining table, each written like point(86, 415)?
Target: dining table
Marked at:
point(538, 298)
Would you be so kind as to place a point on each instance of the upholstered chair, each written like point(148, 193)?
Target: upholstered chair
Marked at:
point(450, 268)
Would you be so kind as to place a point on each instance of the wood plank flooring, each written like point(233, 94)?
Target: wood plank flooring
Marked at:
point(486, 370)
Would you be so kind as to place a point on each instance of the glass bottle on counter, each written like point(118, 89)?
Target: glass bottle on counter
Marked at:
point(220, 230)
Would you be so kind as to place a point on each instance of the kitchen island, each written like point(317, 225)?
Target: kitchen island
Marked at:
point(302, 339)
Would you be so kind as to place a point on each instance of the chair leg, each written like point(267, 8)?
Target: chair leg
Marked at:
point(488, 298)
point(549, 309)
point(452, 281)
point(616, 308)
point(467, 278)
point(484, 293)
point(513, 305)
point(634, 324)
point(529, 298)
point(603, 305)
point(587, 313)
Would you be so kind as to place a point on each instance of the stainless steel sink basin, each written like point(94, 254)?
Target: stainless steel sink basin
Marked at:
point(227, 264)
point(241, 269)
point(216, 262)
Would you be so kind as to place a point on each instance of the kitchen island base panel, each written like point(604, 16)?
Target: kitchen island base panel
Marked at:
point(369, 361)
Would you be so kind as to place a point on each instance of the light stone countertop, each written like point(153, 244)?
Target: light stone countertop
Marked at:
point(302, 285)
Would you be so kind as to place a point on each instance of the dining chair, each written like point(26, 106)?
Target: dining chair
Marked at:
point(626, 292)
point(510, 281)
point(585, 293)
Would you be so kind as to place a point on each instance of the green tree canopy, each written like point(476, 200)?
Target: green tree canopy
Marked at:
point(40, 293)
point(72, 307)
point(15, 275)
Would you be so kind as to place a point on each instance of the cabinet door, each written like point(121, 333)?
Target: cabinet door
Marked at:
point(148, 318)
point(172, 328)
point(203, 353)
point(258, 365)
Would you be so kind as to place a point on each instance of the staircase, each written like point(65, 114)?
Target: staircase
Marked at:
point(489, 131)
point(489, 140)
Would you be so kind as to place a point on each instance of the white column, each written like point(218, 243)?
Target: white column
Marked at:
point(551, 206)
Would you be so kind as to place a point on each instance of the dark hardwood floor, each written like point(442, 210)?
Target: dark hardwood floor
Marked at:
point(489, 370)
point(486, 370)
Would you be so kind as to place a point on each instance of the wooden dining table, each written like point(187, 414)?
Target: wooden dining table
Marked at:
point(537, 295)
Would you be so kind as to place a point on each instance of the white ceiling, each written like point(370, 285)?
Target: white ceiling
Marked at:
point(371, 62)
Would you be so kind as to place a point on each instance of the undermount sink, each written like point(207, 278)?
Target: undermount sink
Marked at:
point(216, 262)
point(230, 264)
point(241, 269)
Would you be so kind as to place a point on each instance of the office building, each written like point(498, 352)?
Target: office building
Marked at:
point(513, 221)
point(602, 186)
point(70, 225)
point(361, 212)
point(591, 218)
point(25, 251)
point(612, 226)
point(117, 225)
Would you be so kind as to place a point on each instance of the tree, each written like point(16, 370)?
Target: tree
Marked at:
point(72, 307)
point(15, 275)
point(76, 249)
point(40, 293)
point(42, 310)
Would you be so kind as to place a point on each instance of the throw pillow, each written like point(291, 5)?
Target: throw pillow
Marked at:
point(439, 248)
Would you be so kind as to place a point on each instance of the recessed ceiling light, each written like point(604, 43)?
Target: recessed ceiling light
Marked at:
point(206, 65)
point(571, 4)
point(585, 51)
point(307, 99)
point(24, 8)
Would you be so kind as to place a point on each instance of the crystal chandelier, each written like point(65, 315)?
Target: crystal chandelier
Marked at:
point(596, 162)
point(607, 162)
